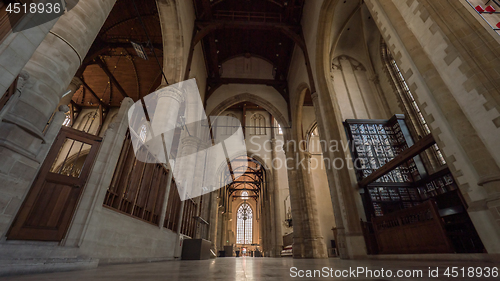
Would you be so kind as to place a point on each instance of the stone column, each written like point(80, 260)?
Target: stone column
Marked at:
point(278, 237)
point(307, 240)
point(337, 211)
point(18, 47)
point(213, 220)
point(51, 68)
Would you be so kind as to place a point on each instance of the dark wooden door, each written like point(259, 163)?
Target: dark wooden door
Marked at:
point(50, 204)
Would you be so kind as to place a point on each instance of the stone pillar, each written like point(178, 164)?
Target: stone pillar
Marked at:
point(278, 238)
point(213, 220)
point(18, 47)
point(50, 69)
point(307, 240)
point(337, 211)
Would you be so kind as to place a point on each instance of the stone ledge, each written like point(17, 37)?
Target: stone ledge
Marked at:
point(30, 266)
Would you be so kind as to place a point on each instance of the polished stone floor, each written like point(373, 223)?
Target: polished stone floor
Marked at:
point(261, 269)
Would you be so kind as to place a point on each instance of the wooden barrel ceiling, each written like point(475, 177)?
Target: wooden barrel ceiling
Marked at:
point(112, 68)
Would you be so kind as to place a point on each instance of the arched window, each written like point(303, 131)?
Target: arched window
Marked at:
point(258, 122)
point(244, 224)
point(411, 107)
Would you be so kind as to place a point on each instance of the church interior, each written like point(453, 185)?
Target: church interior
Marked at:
point(371, 135)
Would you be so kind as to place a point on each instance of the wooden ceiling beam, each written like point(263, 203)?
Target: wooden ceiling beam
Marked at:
point(77, 106)
point(104, 67)
point(206, 27)
point(86, 86)
point(221, 24)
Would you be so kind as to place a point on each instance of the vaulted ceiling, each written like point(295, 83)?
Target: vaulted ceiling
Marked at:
point(268, 29)
point(112, 69)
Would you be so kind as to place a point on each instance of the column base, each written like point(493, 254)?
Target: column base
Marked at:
point(309, 248)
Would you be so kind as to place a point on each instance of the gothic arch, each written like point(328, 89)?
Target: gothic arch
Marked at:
point(248, 97)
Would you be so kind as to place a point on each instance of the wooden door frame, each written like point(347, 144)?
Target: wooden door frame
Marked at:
point(16, 228)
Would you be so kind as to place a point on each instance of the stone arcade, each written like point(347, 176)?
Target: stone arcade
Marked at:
point(372, 132)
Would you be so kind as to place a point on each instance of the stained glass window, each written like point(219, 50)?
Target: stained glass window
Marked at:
point(244, 224)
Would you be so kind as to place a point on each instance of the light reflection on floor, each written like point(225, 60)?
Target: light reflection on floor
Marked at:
point(247, 268)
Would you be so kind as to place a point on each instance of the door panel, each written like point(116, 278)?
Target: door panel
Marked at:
point(50, 204)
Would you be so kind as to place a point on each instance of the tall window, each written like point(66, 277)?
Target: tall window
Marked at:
point(412, 109)
point(258, 124)
point(244, 224)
